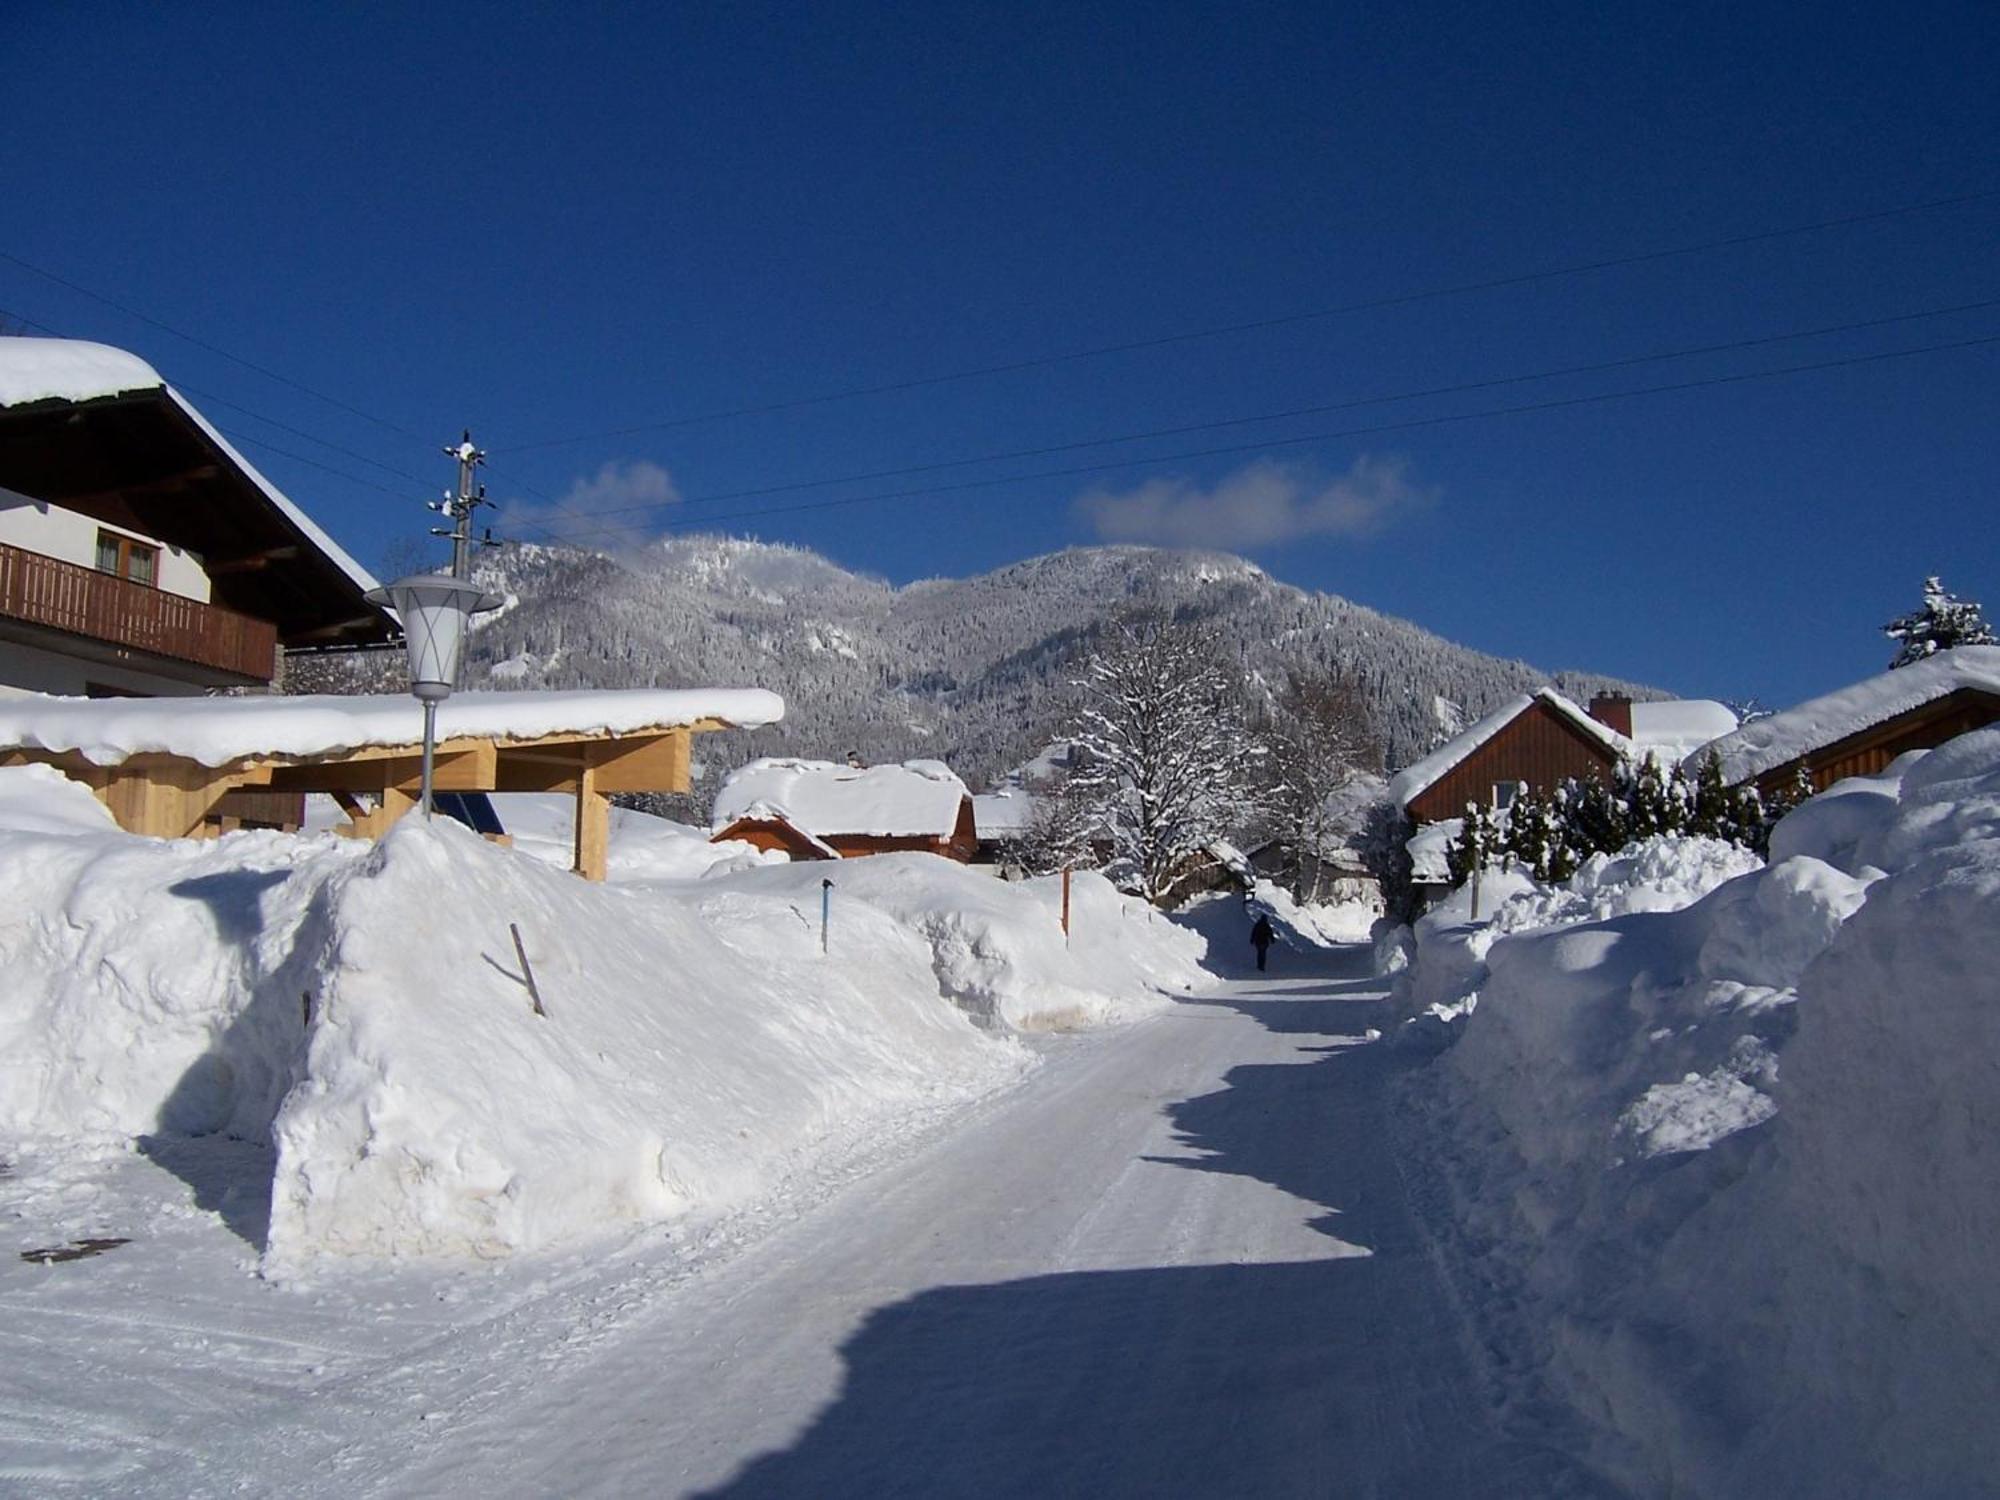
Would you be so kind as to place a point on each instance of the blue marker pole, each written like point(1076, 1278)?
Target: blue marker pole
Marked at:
point(825, 910)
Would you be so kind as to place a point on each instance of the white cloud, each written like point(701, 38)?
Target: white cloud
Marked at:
point(614, 509)
point(1258, 505)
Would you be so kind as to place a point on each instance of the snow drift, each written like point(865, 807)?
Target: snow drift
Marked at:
point(1722, 1174)
point(364, 1009)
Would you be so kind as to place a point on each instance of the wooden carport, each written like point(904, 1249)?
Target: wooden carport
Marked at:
point(171, 792)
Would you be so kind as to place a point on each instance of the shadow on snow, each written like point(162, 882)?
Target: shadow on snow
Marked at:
point(1338, 1377)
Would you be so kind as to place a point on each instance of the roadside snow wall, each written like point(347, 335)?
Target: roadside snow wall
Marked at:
point(1723, 1176)
point(363, 1008)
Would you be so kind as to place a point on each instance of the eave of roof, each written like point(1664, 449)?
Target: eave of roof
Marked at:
point(1764, 745)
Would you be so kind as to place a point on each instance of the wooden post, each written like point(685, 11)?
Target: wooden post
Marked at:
point(527, 970)
point(1065, 914)
point(593, 826)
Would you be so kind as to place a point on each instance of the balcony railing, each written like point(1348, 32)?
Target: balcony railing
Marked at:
point(83, 601)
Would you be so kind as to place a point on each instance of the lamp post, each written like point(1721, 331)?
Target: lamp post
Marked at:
point(434, 609)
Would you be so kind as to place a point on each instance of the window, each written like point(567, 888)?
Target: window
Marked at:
point(1506, 793)
point(124, 557)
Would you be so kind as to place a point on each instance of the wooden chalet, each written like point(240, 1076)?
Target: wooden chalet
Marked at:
point(811, 809)
point(1542, 739)
point(141, 554)
point(1535, 741)
point(1860, 729)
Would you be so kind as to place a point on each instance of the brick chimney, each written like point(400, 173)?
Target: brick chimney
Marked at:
point(1613, 711)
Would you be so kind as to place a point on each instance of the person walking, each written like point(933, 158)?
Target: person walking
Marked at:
point(1261, 936)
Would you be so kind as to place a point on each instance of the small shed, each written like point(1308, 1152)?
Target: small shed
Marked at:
point(1860, 729)
point(816, 809)
point(174, 767)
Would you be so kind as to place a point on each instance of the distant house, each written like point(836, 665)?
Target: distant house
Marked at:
point(141, 554)
point(1003, 820)
point(1534, 743)
point(816, 809)
point(1333, 877)
point(1543, 739)
point(1858, 730)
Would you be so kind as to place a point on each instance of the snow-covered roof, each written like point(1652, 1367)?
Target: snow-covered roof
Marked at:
point(1427, 846)
point(1765, 744)
point(68, 370)
point(216, 731)
point(1677, 728)
point(1002, 814)
point(1414, 780)
point(918, 799)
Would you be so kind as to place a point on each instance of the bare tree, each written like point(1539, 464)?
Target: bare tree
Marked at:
point(1169, 764)
point(1320, 747)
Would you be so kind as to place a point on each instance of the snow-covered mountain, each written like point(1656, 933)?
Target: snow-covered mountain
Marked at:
point(972, 670)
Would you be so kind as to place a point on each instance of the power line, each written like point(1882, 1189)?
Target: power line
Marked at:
point(202, 343)
point(1401, 299)
point(1321, 409)
point(1311, 437)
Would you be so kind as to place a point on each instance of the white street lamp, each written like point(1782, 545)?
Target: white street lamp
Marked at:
point(434, 609)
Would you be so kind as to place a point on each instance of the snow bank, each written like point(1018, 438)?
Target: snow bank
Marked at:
point(363, 1007)
point(1721, 1172)
point(216, 731)
point(997, 946)
point(642, 847)
point(688, 1055)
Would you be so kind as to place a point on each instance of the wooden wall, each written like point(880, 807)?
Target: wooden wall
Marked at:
point(1540, 746)
point(1870, 751)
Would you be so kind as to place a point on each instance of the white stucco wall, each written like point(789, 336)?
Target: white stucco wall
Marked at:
point(28, 669)
point(35, 526)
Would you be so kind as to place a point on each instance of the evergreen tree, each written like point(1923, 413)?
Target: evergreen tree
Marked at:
point(1474, 848)
point(1941, 622)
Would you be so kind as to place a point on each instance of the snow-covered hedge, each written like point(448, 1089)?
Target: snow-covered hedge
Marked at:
point(363, 1007)
point(1722, 1175)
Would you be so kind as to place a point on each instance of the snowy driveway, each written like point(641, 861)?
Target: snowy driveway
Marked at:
point(1176, 1260)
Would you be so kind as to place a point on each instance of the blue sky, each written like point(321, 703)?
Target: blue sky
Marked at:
point(586, 231)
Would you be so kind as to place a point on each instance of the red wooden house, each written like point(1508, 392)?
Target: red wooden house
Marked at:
point(1858, 730)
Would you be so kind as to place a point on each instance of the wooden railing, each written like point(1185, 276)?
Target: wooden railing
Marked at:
point(83, 601)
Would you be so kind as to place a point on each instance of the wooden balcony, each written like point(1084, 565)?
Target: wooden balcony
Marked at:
point(82, 601)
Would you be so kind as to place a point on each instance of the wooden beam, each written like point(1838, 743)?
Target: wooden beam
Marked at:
point(249, 562)
point(655, 763)
point(593, 827)
point(166, 484)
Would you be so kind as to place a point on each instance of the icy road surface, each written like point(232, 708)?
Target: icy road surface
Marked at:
point(1177, 1259)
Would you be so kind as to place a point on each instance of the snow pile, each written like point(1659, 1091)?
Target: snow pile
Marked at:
point(997, 947)
point(1721, 1173)
point(920, 798)
point(1323, 924)
point(364, 1008)
point(688, 1054)
point(643, 847)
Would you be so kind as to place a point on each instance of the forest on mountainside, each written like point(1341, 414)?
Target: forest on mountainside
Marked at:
point(979, 672)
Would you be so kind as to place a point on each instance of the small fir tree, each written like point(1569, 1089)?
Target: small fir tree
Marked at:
point(1941, 622)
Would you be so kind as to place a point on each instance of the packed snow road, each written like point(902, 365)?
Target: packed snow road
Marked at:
point(1177, 1259)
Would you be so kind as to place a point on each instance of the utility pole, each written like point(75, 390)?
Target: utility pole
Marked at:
point(459, 506)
